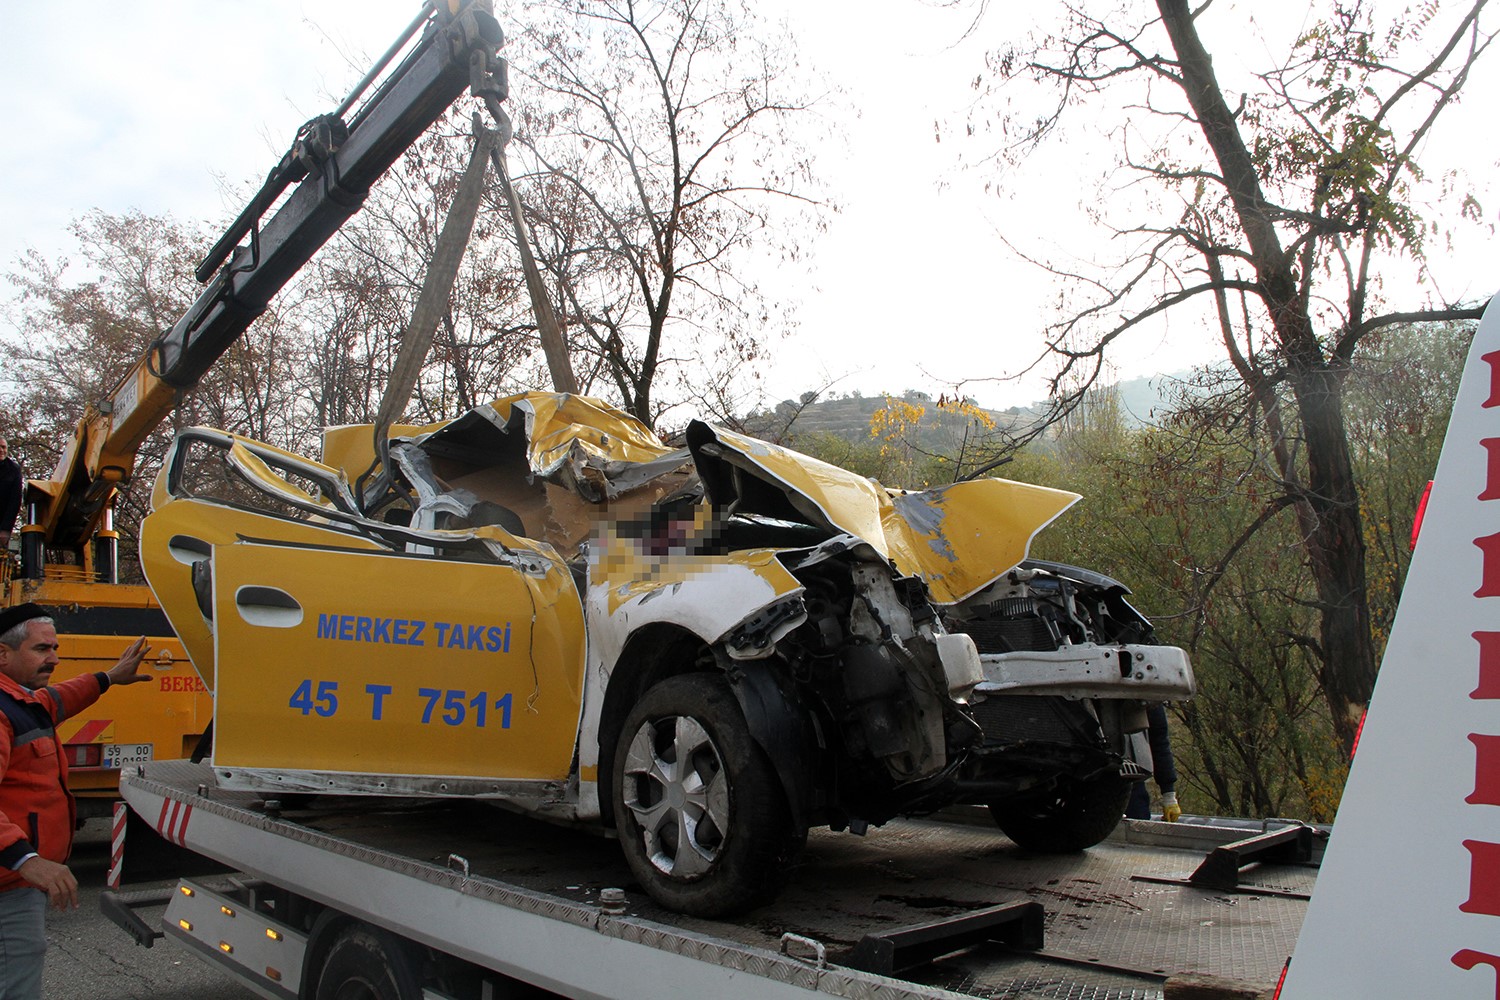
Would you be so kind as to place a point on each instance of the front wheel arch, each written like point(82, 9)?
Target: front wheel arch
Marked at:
point(784, 730)
point(651, 655)
point(779, 723)
point(702, 816)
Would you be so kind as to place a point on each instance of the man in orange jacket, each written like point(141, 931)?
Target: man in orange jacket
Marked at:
point(37, 815)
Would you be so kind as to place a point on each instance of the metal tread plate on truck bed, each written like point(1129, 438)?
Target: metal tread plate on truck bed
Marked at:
point(551, 941)
point(1097, 912)
point(1109, 936)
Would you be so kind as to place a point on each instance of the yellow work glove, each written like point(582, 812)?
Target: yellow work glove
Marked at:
point(1170, 810)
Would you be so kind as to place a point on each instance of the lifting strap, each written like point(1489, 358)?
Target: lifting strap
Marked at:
point(548, 329)
point(432, 302)
point(438, 286)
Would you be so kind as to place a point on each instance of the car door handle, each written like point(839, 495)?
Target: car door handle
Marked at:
point(269, 607)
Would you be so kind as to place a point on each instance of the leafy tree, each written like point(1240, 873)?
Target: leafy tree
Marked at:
point(1159, 510)
point(1399, 399)
point(1277, 210)
point(1164, 508)
point(79, 325)
point(925, 443)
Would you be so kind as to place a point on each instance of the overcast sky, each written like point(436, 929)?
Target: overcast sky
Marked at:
point(148, 104)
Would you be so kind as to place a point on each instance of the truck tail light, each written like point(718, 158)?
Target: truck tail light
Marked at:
point(84, 754)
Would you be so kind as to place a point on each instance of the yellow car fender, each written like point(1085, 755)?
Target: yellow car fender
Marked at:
point(629, 590)
point(958, 538)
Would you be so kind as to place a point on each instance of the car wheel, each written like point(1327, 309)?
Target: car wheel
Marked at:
point(1069, 818)
point(702, 818)
point(368, 964)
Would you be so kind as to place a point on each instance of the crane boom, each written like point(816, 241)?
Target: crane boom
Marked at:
point(328, 170)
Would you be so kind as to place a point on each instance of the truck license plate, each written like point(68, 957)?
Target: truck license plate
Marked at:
point(118, 755)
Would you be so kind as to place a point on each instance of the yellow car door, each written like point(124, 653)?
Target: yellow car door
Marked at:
point(359, 671)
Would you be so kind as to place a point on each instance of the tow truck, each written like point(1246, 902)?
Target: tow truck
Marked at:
point(437, 897)
point(423, 899)
point(408, 886)
point(401, 898)
point(69, 548)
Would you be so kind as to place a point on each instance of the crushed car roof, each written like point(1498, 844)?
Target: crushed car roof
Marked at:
point(556, 457)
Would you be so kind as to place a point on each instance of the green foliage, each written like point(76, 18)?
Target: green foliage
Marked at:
point(1187, 514)
point(1160, 516)
point(1399, 399)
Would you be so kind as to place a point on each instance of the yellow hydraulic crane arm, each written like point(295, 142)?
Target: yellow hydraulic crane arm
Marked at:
point(98, 458)
point(449, 47)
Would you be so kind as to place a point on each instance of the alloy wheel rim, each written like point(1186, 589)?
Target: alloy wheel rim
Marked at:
point(676, 790)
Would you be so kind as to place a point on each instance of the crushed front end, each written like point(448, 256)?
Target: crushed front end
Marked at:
point(939, 664)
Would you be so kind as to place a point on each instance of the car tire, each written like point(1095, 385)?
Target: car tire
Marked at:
point(364, 963)
point(702, 818)
point(1069, 818)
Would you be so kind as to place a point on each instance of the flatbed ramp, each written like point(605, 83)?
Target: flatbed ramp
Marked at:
point(530, 900)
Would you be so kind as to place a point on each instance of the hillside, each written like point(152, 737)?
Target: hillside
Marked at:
point(851, 416)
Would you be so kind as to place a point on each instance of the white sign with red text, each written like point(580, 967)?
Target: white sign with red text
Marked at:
point(1408, 901)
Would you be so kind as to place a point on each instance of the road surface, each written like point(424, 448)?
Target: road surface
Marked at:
point(89, 958)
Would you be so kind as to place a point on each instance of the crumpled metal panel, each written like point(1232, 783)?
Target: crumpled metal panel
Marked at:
point(961, 538)
point(571, 439)
point(351, 447)
point(580, 433)
point(958, 538)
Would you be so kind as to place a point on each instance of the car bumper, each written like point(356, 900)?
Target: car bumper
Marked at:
point(1087, 670)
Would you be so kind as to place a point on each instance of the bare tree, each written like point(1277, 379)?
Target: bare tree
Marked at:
point(661, 145)
point(363, 287)
point(1273, 211)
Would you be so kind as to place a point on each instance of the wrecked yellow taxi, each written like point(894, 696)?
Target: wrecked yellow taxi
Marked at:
point(710, 649)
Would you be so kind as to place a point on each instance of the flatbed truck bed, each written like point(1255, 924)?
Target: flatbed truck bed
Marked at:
point(511, 898)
